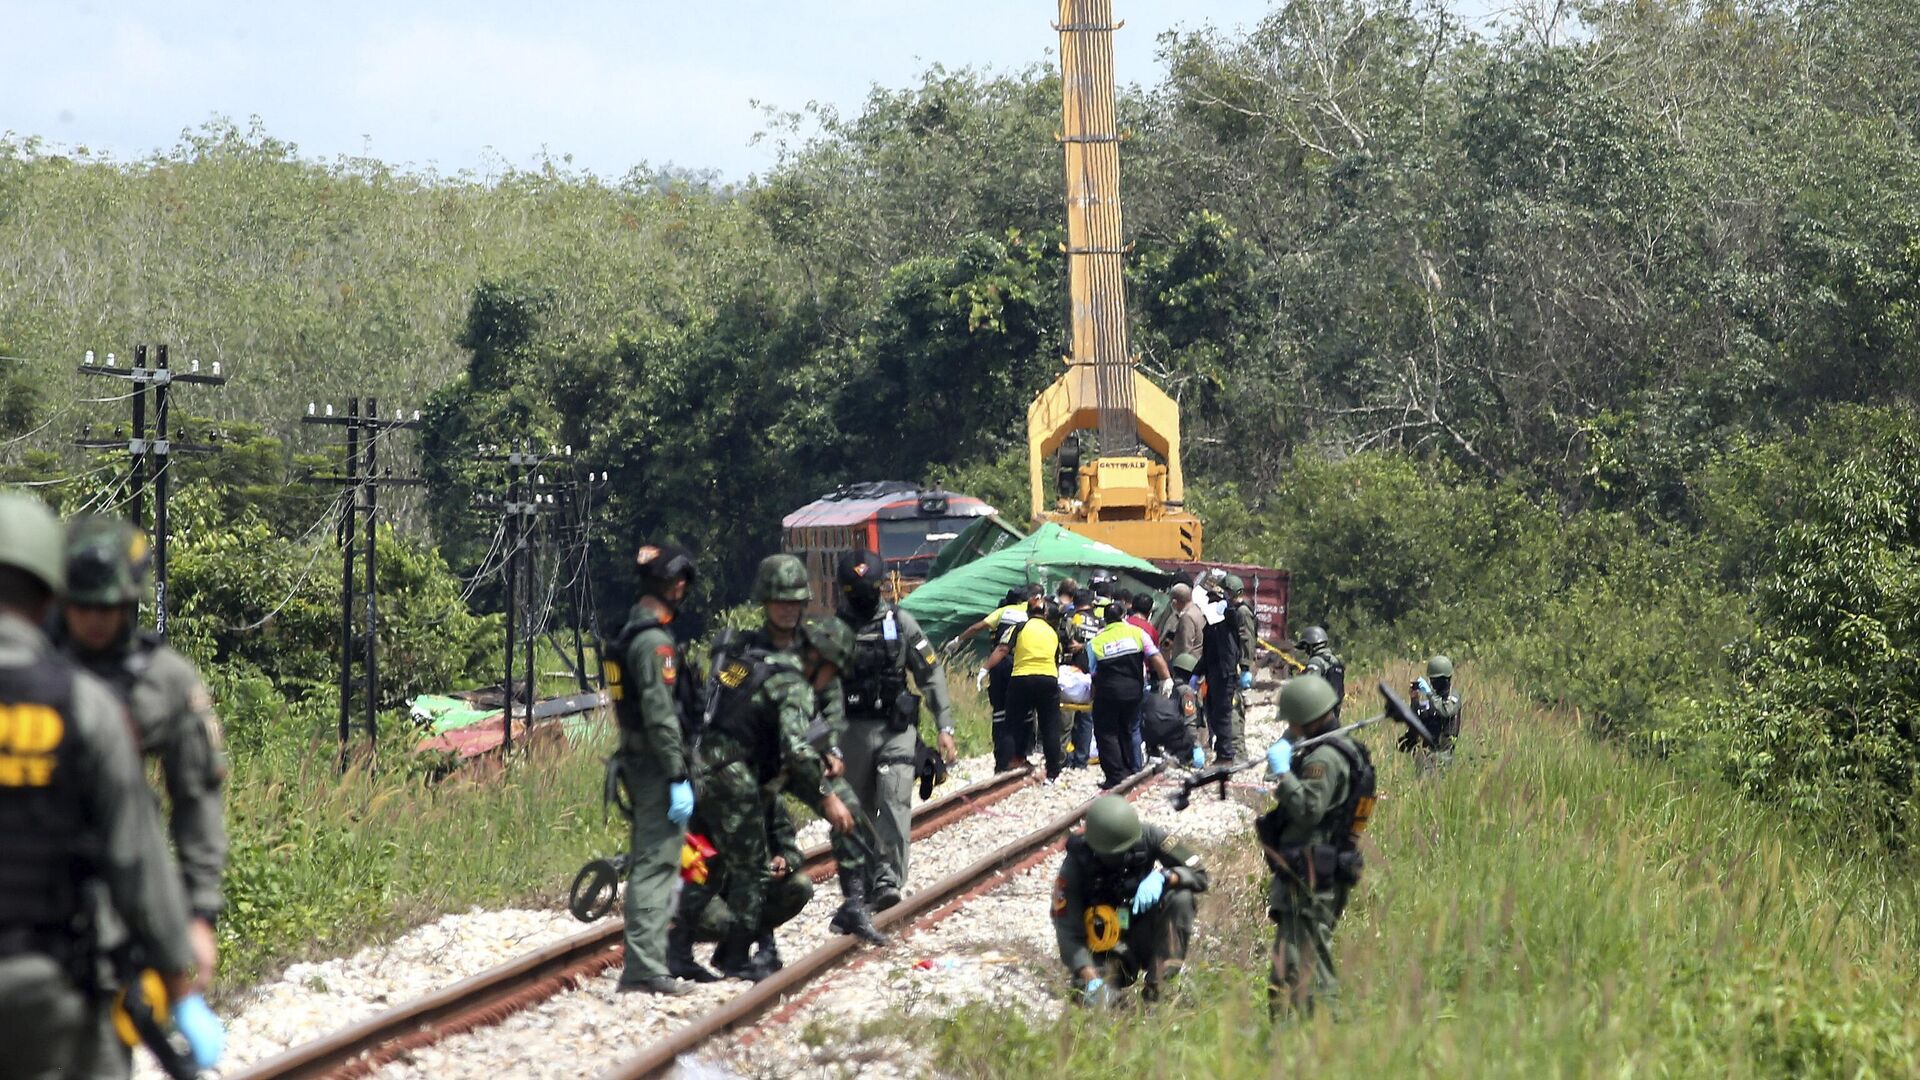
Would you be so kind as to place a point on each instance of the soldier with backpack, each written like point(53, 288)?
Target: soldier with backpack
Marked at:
point(1324, 662)
point(1310, 839)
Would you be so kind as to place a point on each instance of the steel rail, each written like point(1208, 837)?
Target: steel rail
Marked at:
point(491, 996)
point(767, 993)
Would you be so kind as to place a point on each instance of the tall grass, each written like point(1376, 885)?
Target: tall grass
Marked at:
point(1550, 907)
point(323, 863)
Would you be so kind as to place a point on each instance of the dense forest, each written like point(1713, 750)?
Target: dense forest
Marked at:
point(1588, 349)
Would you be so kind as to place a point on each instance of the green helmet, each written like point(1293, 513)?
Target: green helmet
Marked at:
point(107, 562)
point(1186, 662)
point(1313, 637)
point(781, 577)
point(831, 638)
point(1439, 667)
point(1306, 699)
point(1113, 826)
point(33, 540)
point(1235, 585)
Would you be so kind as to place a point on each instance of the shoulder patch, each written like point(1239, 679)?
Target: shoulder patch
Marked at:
point(1060, 894)
point(669, 663)
point(1169, 843)
point(1313, 770)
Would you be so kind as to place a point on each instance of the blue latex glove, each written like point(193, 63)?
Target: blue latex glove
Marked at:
point(203, 1031)
point(1279, 758)
point(1199, 757)
point(1425, 687)
point(1246, 680)
point(1095, 993)
point(1148, 894)
point(680, 802)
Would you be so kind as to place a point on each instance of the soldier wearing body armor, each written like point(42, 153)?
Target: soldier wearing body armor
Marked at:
point(883, 713)
point(1123, 903)
point(1439, 709)
point(1174, 726)
point(1323, 661)
point(1311, 842)
point(656, 700)
point(1246, 631)
point(80, 842)
point(107, 566)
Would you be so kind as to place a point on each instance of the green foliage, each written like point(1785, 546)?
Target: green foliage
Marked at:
point(1707, 940)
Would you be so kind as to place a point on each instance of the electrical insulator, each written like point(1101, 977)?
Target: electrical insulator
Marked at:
point(309, 408)
point(89, 360)
point(110, 361)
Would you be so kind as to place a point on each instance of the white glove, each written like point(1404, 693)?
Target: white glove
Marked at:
point(1165, 689)
point(979, 680)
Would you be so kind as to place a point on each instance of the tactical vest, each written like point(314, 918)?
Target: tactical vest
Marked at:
point(47, 846)
point(120, 668)
point(1334, 670)
point(731, 713)
point(626, 700)
point(1339, 862)
point(1110, 879)
point(877, 677)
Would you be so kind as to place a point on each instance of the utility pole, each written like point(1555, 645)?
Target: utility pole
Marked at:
point(160, 378)
point(362, 477)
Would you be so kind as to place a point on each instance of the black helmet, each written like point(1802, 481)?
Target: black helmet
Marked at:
point(660, 565)
point(1313, 638)
point(860, 575)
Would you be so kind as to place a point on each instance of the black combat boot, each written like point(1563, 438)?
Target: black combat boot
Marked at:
point(883, 893)
point(736, 960)
point(680, 960)
point(853, 917)
point(766, 953)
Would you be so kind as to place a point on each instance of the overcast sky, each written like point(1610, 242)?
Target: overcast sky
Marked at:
point(460, 85)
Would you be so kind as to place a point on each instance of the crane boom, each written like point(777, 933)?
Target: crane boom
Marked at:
point(1130, 495)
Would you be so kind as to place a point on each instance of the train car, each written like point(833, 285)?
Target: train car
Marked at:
point(907, 524)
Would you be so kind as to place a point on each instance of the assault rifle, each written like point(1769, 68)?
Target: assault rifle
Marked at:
point(1216, 776)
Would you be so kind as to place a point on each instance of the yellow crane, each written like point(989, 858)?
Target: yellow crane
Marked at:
point(1130, 494)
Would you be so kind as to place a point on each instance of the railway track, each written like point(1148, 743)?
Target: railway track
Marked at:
point(493, 995)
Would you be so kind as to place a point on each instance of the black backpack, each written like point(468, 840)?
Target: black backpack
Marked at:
point(688, 693)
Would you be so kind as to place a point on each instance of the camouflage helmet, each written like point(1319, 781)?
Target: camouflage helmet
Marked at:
point(1235, 585)
point(32, 540)
point(830, 637)
point(108, 560)
point(780, 578)
point(1439, 667)
point(1113, 825)
point(1305, 699)
point(1312, 637)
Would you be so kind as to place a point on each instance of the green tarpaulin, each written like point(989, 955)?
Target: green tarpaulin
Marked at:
point(984, 537)
point(957, 599)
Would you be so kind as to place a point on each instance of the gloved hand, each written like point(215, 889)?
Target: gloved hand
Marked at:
point(1095, 994)
point(1199, 757)
point(979, 680)
point(203, 1030)
point(1424, 686)
point(680, 802)
point(1246, 680)
point(1279, 758)
point(1148, 894)
point(1164, 688)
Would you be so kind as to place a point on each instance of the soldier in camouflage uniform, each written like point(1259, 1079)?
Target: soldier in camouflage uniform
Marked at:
point(882, 731)
point(1307, 841)
point(755, 745)
point(79, 839)
point(654, 695)
point(789, 891)
point(107, 566)
point(1123, 903)
point(1438, 708)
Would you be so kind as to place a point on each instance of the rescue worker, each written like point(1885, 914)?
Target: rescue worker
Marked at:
point(1170, 724)
point(1140, 613)
point(1220, 661)
point(1123, 903)
point(1122, 656)
point(1437, 707)
point(80, 841)
point(789, 891)
point(1033, 691)
point(1309, 838)
point(656, 701)
point(1012, 609)
point(883, 715)
point(107, 566)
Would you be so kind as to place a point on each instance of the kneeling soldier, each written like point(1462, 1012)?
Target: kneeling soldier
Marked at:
point(788, 893)
point(1123, 903)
